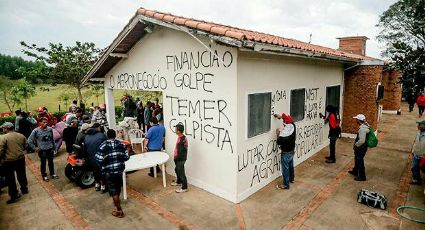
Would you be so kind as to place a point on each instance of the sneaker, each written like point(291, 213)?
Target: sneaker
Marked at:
point(359, 179)
point(54, 176)
point(352, 173)
point(279, 186)
point(175, 184)
point(103, 188)
point(13, 200)
point(97, 187)
point(180, 190)
point(45, 178)
point(150, 174)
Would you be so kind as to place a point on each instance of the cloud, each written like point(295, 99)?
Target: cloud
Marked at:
point(100, 21)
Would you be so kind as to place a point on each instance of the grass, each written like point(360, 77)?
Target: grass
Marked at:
point(51, 99)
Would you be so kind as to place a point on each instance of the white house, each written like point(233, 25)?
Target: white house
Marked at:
point(224, 84)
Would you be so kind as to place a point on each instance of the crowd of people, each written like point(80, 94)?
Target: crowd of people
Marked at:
point(97, 145)
point(143, 113)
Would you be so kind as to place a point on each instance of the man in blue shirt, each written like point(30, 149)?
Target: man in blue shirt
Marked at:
point(154, 140)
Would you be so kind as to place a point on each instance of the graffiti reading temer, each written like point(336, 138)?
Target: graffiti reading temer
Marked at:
point(204, 115)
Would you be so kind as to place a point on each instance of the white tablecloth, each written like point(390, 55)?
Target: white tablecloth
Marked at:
point(142, 161)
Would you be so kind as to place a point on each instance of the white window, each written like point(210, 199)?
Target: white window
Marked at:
point(259, 107)
point(297, 109)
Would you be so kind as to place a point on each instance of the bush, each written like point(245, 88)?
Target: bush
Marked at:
point(5, 119)
point(58, 115)
point(118, 111)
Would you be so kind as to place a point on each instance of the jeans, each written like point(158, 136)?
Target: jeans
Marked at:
point(287, 162)
point(46, 155)
point(18, 166)
point(416, 171)
point(359, 168)
point(411, 107)
point(421, 110)
point(180, 173)
point(332, 145)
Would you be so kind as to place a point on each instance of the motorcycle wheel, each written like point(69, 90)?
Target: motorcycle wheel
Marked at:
point(85, 179)
point(69, 172)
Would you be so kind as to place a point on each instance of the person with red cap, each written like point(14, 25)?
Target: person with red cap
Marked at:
point(286, 140)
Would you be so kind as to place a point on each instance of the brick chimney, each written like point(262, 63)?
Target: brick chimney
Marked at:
point(355, 44)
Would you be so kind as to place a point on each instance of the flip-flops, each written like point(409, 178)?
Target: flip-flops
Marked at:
point(119, 214)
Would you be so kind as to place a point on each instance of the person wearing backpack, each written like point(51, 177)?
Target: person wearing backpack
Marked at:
point(334, 130)
point(418, 153)
point(360, 148)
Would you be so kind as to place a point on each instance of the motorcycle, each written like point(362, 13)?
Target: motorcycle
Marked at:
point(77, 169)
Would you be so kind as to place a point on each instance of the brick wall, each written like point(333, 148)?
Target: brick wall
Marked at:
point(360, 96)
point(392, 90)
point(355, 45)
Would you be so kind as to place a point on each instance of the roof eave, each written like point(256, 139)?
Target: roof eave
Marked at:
point(267, 48)
point(130, 25)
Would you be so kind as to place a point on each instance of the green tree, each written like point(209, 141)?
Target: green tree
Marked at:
point(69, 63)
point(24, 90)
point(8, 93)
point(97, 91)
point(10, 65)
point(403, 33)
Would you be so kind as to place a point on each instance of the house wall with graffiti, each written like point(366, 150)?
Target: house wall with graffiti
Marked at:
point(258, 157)
point(199, 90)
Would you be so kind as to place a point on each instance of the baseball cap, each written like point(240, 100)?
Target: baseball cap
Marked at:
point(7, 125)
point(287, 118)
point(421, 122)
point(360, 117)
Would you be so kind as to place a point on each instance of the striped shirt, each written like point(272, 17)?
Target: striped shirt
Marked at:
point(112, 156)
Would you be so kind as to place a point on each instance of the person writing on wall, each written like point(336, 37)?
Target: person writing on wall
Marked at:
point(332, 119)
point(286, 140)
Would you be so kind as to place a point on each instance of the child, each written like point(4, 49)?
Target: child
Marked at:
point(180, 156)
point(112, 156)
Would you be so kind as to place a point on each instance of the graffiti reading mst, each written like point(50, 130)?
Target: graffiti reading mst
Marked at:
point(263, 159)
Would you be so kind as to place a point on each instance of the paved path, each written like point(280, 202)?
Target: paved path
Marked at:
point(322, 197)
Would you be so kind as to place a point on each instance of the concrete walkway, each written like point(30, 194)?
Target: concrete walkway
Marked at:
point(322, 197)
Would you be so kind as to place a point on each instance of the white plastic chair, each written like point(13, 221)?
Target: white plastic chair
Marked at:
point(136, 137)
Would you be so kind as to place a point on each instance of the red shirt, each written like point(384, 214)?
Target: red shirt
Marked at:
point(332, 121)
point(421, 100)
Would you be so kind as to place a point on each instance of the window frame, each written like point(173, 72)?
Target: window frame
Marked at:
point(290, 103)
point(247, 113)
point(340, 96)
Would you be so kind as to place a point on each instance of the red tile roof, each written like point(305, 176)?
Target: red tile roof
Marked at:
point(247, 35)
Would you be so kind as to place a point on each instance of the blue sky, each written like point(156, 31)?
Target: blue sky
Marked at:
point(67, 21)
